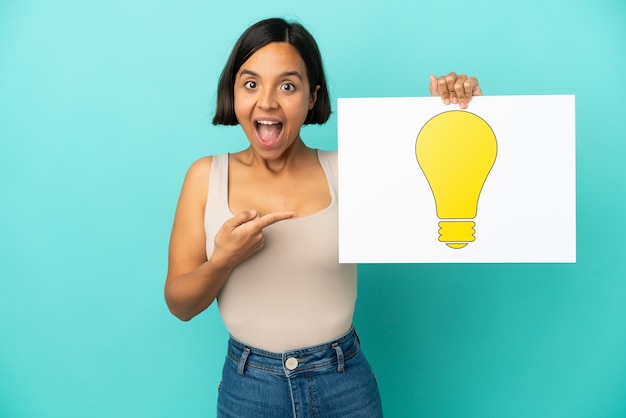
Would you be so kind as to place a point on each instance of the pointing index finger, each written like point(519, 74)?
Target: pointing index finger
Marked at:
point(271, 218)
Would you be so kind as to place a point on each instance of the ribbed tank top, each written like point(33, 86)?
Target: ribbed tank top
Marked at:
point(293, 293)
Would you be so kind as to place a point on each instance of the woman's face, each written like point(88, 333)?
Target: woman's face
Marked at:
point(272, 98)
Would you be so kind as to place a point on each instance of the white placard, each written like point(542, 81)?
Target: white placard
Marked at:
point(392, 199)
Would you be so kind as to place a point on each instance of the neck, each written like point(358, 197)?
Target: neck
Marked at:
point(288, 159)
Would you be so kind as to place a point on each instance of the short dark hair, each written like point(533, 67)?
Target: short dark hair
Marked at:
point(253, 39)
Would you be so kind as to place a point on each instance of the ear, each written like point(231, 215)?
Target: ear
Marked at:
point(313, 97)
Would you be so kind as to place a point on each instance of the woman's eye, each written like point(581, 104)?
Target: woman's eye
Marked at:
point(288, 87)
point(250, 84)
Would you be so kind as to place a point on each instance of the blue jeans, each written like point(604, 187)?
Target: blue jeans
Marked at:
point(330, 380)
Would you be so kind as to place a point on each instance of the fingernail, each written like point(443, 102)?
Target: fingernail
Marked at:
point(462, 105)
point(446, 101)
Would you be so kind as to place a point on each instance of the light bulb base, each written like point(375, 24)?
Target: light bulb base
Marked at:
point(456, 234)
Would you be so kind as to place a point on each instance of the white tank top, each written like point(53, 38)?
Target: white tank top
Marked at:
point(293, 293)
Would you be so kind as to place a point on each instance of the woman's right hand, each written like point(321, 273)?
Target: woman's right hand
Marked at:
point(242, 236)
point(193, 281)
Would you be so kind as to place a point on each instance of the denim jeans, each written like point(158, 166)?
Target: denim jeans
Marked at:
point(332, 380)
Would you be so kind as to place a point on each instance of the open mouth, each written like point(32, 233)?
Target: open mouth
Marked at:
point(268, 131)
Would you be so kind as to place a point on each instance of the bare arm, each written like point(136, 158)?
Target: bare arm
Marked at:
point(193, 281)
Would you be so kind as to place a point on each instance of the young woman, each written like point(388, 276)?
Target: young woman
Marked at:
point(257, 230)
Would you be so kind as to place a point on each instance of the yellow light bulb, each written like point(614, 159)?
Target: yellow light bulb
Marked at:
point(456, 151)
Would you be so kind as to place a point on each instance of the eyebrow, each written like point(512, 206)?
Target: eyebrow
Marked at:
point(285, 74)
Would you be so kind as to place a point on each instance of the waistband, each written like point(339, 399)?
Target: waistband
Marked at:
point(291, 362)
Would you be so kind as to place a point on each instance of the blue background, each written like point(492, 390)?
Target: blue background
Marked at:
point(103, 106)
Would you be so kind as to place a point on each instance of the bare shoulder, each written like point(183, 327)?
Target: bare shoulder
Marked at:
point(200, 169)
point(194, 191)
point(197, 177)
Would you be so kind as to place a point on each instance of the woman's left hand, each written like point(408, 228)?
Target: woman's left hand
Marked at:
point(454, 88)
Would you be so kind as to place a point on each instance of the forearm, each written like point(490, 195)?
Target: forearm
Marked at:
point(189, 294)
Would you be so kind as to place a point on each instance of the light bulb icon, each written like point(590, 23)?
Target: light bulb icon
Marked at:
point(456, 151)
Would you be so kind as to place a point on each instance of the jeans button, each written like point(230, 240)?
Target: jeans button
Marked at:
point(291, 363)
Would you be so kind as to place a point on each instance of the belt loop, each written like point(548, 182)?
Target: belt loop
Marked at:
point(242, 360)
point(339, 351)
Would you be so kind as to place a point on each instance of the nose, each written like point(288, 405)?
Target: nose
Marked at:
point(267, 99)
